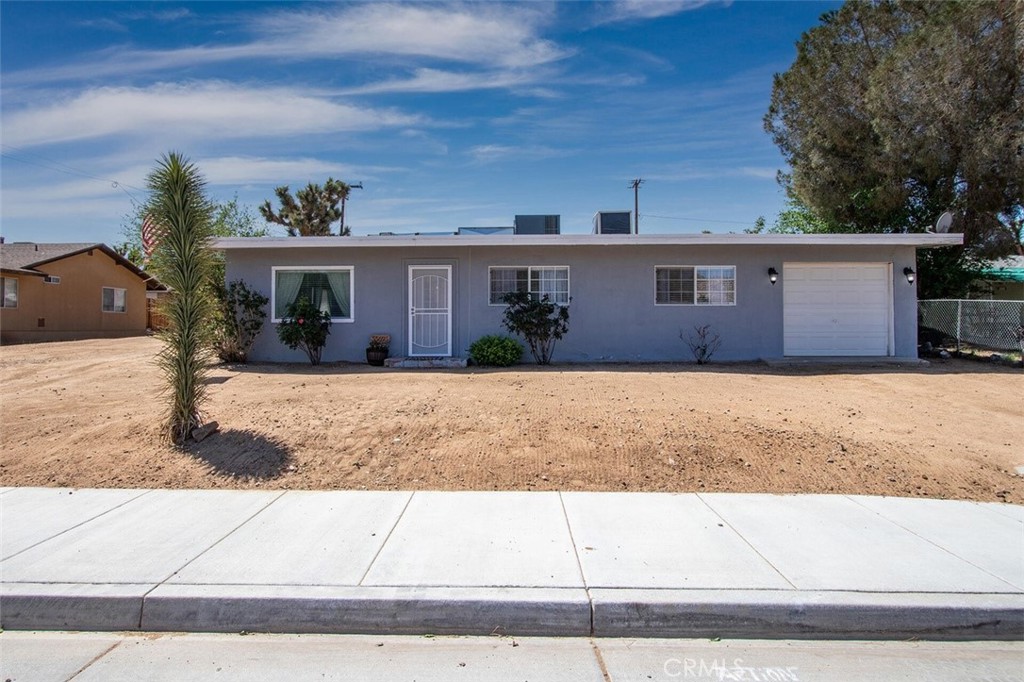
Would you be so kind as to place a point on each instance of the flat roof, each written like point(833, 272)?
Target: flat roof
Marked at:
point(918, 240)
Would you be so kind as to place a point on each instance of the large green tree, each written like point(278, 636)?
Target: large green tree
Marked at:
point(895, 112)
point(311, 211)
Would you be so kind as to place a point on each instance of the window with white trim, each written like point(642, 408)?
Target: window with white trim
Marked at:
point(115, 300)
point(327, 288)
point(537, 280)
point(9, 287)
point(695, 285)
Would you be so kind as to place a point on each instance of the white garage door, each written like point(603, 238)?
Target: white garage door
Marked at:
point(832, 309)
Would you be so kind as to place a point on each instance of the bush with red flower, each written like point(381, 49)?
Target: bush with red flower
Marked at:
point(305, 326)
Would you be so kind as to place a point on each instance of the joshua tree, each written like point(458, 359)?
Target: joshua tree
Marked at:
point(311, 211)
point(183, 262)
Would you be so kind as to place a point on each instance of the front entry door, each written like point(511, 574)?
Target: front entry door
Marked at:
point(430, 310)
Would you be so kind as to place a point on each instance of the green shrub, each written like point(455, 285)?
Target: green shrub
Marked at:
point(497, 351)
point(305, 326)
point(537, 320)
point(239, 322)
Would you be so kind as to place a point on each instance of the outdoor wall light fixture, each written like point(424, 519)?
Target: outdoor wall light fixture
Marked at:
point(910, 275)
point(773, 275)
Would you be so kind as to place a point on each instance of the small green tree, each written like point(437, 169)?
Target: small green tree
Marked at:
point(229, 219)
point(311, 211)
point(184, 264)
point(796, 218)
point(131, 252)
point(240, 321)
point(537, 320)
point(305, 326)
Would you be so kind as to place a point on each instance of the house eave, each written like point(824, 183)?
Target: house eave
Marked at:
point(21, 271)
point(926, 240)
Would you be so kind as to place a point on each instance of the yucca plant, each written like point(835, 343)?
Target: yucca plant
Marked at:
point(183, 261)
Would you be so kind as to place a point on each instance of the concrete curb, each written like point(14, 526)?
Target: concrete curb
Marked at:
point(760, 614)
point(741, 614)
point(368, 610)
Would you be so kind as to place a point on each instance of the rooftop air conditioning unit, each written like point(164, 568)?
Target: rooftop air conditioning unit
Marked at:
point(613, 222)
point(538, 224)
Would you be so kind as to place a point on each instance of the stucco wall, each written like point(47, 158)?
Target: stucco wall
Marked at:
point(73, 308)
point(613, 315)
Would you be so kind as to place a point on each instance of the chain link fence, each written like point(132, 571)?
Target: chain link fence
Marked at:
point(979, 323)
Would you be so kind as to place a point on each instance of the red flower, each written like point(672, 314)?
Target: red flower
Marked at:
point(300, 320)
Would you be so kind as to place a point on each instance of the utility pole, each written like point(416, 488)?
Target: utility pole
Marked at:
point(358, 185)
point(636, 203)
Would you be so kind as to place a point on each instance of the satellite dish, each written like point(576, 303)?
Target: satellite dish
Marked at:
point(944, 222)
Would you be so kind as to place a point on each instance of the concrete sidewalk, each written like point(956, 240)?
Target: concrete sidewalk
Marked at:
point(601, 564)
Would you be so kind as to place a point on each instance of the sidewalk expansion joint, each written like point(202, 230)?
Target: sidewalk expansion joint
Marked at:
point(600, 658)
point(78, 525)
point(387, 537)
point(142, 604)
point(96, 658)
point(747, 542)
point(579, 562)
point(933, 543)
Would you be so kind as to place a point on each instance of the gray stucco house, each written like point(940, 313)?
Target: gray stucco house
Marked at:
point(630, 295)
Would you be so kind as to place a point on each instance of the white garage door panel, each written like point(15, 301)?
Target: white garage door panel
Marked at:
point(836, 309)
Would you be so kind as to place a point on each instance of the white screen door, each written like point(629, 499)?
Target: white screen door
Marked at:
point(430, 310)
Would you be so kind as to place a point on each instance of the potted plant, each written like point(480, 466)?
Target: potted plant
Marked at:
point(377, 351)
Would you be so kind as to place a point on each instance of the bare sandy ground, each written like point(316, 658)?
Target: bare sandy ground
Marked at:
point(87, 414)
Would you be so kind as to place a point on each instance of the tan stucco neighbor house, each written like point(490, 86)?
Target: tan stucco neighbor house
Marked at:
point(56, 292)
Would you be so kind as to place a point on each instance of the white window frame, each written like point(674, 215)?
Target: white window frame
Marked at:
point(3, 293)
point(316, 268)
point(114, 310)
point(529, 280)
point(695, 268)
point(51, 279)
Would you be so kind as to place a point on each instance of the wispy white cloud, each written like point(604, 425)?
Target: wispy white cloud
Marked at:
point(104, 24)
point(245, 170)
point(261, 171)
point(164, 15)
point(487, 153)
point(436, 80)
point(764, 173)
point(119, 22)
point(474, 33)
point(641, 10)
point(685, 172)
point(481, 34)
point(190, 111)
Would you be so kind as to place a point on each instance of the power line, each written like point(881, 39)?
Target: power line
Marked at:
point(60, 167)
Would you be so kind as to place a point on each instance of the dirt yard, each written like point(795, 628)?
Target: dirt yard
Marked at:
point(87, 414)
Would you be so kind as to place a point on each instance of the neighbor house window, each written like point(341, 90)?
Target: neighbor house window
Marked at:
point(695, 285)
point(114, 300)
point(328, 288)
point(552, 281)
point(9, 287)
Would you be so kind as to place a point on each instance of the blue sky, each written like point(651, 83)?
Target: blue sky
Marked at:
point(450, 114)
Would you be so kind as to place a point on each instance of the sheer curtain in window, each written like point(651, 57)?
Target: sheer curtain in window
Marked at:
point(288, 285)
point(339, 281)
